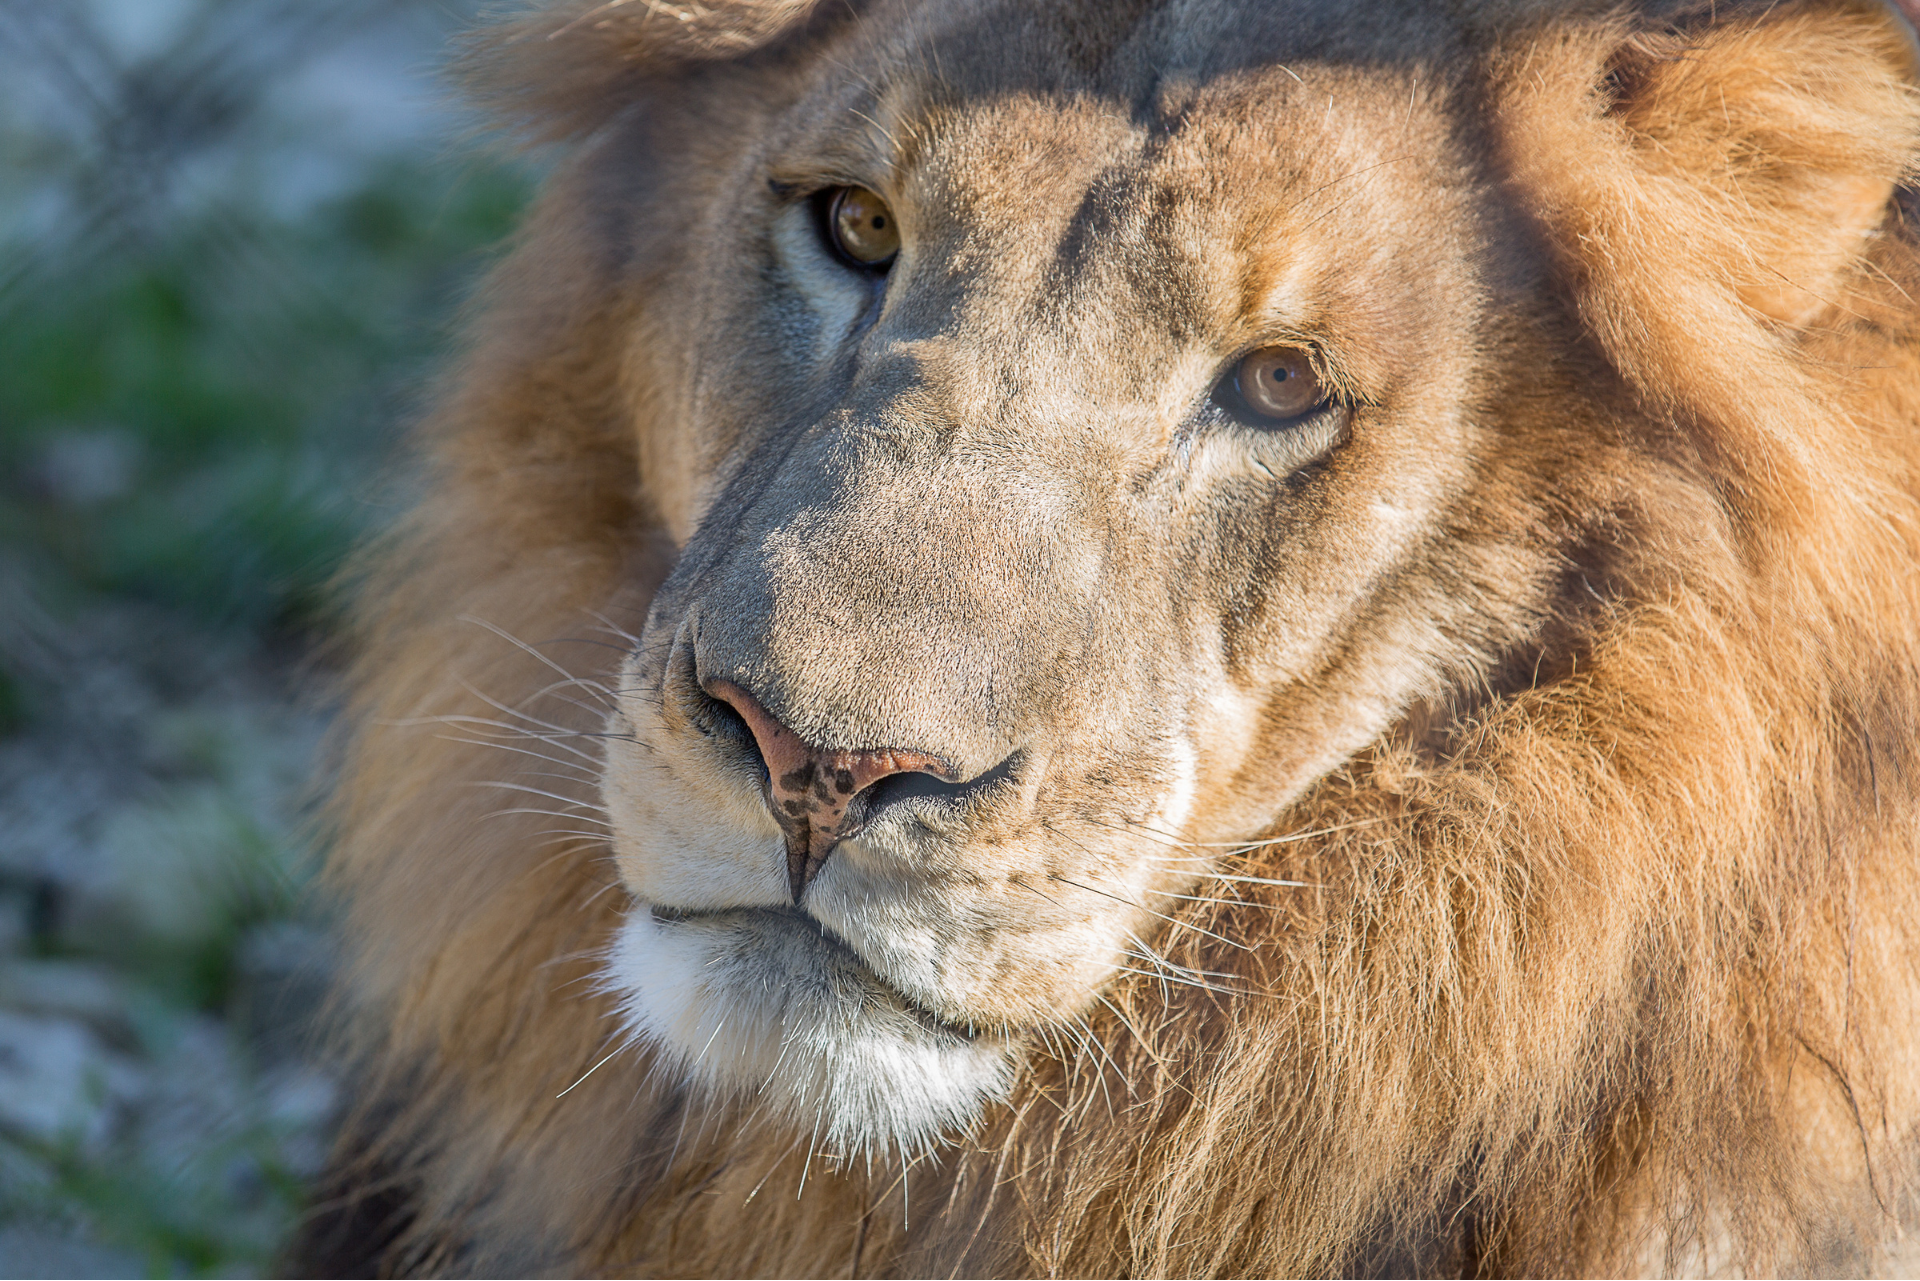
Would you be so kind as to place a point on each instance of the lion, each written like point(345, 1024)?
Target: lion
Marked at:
point(1156, 637)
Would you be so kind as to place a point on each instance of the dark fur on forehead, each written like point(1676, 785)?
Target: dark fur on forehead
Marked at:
point(561, 71)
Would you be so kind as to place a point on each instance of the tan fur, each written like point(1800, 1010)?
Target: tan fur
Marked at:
point(1594, 777)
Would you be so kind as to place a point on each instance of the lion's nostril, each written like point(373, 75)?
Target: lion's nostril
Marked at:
point(809, 788)
point(724, 719)
point(896, 790)
point(720, 720)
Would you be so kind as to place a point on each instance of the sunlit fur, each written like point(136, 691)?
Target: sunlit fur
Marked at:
point(1598, 953)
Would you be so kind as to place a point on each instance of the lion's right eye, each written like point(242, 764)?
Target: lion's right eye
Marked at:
point(861, 228)
point(1278, 384)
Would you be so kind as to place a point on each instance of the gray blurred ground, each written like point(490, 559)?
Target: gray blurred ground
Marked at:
point(231, 234)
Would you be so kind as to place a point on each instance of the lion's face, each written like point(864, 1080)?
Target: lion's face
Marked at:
point(1052, 454)
point(1001, 605)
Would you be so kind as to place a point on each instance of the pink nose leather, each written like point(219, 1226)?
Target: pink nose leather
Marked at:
point(810, 789)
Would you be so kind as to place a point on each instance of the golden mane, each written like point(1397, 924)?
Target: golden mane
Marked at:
point(1584, 948)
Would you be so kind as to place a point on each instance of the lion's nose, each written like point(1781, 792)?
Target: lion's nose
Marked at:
point(810, 788)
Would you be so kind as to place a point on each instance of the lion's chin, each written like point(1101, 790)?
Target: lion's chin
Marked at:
point(760, 1005)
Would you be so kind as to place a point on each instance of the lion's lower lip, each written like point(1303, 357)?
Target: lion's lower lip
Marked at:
point(791, 917)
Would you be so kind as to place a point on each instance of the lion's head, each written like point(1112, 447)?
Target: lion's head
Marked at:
point(1201, 550)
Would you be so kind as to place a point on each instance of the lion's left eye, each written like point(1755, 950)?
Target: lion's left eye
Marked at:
point(1274, 385)
point(861, 227)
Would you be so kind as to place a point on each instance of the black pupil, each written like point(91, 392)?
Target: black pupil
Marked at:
point(879, 221)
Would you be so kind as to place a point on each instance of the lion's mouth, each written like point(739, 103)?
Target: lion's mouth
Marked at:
point(773, 920)
point(764, 1005)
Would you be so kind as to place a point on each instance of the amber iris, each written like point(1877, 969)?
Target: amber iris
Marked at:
point(1279, 383)
point(862, 227)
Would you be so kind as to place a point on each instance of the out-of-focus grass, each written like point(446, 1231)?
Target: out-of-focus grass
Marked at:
point(192, 421)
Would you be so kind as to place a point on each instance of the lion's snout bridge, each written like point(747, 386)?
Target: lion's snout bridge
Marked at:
point(819, 795)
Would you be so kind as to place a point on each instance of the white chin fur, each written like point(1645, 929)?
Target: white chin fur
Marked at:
point(760, 1005)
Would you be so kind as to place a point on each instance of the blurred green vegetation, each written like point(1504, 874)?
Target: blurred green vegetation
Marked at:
point(198, 411)
point(193, 419)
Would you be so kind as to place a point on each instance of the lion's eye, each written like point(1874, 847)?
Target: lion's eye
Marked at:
point(1278, 383)
point(862, 228)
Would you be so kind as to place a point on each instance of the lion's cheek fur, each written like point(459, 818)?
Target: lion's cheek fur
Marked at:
point(775, 1016)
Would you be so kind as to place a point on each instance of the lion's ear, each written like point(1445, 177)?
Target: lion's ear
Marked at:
point(564, 68)
point(1754, 145)
point(1789, 127)
point(1710, 188)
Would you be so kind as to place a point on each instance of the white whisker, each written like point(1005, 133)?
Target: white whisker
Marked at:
point(1225, 902)
point(1264, 880)
point(552, 796)
point(553, 734)
point(561, 831)
point(1141, 907)
point(614, 629)
point(1100, 1052)
point(812, 1145)
point(1193, 983)
point(528, 717)
point(580, 818)
point(1165, 968)
point(1242, 846)
point(590, 1071)
point(515, 641)
point(1127, 1023)
point(587, 683)
point(592, 774)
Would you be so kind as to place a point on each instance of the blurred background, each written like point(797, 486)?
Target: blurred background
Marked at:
point(234, 236)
